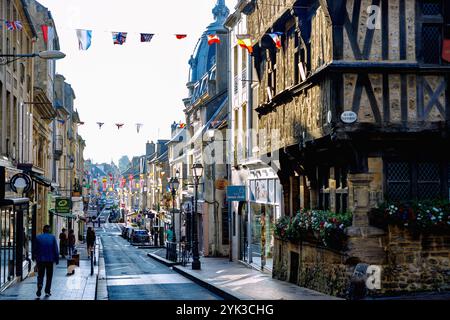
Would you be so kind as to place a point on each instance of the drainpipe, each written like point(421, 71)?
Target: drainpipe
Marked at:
point(229, 143)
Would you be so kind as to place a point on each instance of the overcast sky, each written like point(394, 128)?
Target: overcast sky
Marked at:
point(134, 83)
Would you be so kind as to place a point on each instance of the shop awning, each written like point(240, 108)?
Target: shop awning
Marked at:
point(40, 179)
point(63, 215)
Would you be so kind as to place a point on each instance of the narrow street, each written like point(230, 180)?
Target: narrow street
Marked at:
point(132, 275)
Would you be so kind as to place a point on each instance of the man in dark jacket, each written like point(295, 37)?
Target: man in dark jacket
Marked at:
point(45, 253)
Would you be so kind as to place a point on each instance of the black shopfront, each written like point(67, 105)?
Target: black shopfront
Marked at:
point(16, 225)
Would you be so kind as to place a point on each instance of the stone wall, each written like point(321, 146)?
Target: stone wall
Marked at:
point(416, 262)
point(319, 268)
point(412, 263)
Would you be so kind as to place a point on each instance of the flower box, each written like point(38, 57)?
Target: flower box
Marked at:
point(418, 216)
point(315, 226)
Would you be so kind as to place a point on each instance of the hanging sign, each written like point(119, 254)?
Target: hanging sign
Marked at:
point(236, 193)
point(20, 183)
point(63, 205)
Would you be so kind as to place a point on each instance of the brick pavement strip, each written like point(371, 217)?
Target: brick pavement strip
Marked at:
point(79, 286)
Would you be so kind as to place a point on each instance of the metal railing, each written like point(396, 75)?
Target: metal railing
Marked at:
point(171, 251)
point(178, 253)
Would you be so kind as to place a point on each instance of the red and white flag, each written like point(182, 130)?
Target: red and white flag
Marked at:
point(213, 38)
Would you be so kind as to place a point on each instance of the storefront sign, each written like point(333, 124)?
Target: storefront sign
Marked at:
point(63, 205)
point(221, 184)
point(349, 117)
point(236, 193)
point(20, 183)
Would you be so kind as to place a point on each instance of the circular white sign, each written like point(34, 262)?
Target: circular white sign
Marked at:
point(349, 117)
point(20, 183)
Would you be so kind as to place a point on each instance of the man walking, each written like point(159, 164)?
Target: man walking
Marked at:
point(63, 243)
point(90, 240)
point(45, 253)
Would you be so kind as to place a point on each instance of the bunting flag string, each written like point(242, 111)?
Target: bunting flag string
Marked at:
point(100, 124)
point(119, 125)
point(138, 127)
point(146, 37)
point(84, 38)
point(119, 37)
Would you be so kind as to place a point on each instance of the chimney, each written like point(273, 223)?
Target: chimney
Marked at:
point(149, 148)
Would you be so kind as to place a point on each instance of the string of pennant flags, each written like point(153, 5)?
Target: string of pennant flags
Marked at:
point(119, 38)
point(119, 126)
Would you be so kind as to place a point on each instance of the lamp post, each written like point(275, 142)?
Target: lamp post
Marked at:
point(173, 185)
point(47, 55)
point(197, 170)
point(71, 166)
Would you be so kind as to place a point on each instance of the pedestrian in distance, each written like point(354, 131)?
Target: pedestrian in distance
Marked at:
point(45, 253)
point(71, 242)
point(90, 240)
point(63, 243)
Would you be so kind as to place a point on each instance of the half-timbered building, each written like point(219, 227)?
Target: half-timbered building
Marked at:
point(356, 105)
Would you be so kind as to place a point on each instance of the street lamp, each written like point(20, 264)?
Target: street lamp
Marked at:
point(47, 55)
point(71, 163)
point(173, 185)
point(197, 170)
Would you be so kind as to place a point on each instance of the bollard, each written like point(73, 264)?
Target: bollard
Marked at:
point(92, 263)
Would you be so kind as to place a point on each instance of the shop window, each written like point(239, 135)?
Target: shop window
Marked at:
point(324, 191)
point(341, 174)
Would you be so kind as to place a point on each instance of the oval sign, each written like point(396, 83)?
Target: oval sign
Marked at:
point(349, 117)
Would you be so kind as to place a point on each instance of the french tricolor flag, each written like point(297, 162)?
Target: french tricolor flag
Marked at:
point(276, 37)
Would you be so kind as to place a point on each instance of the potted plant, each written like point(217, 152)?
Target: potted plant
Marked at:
point(76, 189)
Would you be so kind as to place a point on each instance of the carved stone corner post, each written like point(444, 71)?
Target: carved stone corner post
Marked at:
point(365, 241)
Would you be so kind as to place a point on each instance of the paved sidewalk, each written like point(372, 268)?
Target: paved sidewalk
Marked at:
point(79, 286)
point(233, 280)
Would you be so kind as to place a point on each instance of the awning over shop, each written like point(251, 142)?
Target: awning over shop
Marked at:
point(40, 179)
point(63, 215)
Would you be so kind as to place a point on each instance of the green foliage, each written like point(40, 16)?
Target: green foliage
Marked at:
point(422, 216)
point(329, 227)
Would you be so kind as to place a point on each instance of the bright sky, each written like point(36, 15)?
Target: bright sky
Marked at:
point(134, 83)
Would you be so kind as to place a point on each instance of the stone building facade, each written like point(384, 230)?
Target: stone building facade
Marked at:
point(206, 110)
point(357, 114)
